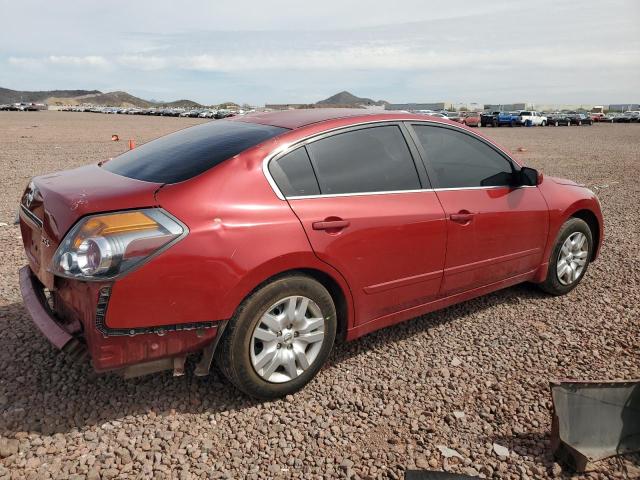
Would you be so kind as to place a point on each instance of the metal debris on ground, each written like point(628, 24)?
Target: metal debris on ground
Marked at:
point(594, 420)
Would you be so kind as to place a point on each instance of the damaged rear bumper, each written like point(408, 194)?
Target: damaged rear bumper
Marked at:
point(74, 324)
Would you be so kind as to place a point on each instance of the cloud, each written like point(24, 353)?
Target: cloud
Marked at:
point(356, 57)
point(243, 50)
point(60, 60)
point(89, 60)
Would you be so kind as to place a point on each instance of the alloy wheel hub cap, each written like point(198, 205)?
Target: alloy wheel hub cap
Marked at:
point(287, 339)
point(572, 258)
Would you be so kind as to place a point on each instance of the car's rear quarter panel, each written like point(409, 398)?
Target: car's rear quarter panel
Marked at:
point(240, 234)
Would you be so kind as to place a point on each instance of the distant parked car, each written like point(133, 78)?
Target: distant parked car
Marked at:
point(627, 117)
point(558, 118)
point(579, 119)
point(532, 118)
point(470, 119)
point(508, 118)
point(489, 118)
point(436, 114)
point(597, 116)
point(223, 114)
point(453, 116)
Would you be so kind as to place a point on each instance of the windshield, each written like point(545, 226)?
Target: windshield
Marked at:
point(189, 152)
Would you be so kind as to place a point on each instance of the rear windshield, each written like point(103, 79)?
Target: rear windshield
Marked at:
point(189, 152)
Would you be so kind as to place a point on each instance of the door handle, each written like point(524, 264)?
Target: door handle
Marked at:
point(463, 217)
point(331, 225)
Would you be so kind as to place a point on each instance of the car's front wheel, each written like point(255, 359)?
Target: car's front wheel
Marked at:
point(279, 337)
point(570, 257)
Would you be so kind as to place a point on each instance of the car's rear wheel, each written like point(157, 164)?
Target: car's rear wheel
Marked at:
point(570, 257)
point(556, 123)
point(279, 337)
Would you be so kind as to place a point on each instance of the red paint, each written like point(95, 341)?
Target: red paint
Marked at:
point(393, 256)
point(471, 119)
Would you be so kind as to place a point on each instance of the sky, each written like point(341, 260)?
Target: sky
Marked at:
point(276, 51)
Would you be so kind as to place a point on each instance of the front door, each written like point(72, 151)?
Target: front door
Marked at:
point(494, 231)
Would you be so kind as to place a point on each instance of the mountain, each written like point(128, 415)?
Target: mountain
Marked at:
point(15, 96)
point(345, 98)
point(91, 97)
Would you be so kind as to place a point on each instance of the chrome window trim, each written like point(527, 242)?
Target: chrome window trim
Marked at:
point(30, 216)
point(397, 192)
point(354, 194)
point(484, 188)
point(288, 147)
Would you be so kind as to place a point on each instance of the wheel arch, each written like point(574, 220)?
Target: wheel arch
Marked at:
point(590, 219)
point(332, 281)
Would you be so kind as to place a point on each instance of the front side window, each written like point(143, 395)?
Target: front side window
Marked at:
point(375, 159)
point(461, 161)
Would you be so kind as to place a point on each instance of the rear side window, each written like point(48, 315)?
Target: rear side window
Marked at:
point(375, 159)
point(293, 174)
point(189, 152)
point(460, 160)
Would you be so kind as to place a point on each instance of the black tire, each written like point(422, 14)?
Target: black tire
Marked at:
point(579, 123)
point(556, 124)
point(233, 355)
point(544, 123)
point(512, 124)
point(552, 284)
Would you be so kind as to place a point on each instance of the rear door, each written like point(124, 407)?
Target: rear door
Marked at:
point(368, 211)
point(495, 231)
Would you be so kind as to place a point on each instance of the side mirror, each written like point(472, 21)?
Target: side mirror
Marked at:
point(530, 176)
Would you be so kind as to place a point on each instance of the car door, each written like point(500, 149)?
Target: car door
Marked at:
point(369, 212)
point(494, 231)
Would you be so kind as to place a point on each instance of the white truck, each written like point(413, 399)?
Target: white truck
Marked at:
point(534, 119)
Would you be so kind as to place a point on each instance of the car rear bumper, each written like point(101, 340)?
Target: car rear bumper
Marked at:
point(35, 303)
point(72, 324)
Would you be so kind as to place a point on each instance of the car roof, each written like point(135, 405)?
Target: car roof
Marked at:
point(298, 118)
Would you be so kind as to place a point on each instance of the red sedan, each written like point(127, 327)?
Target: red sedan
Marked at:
point(258, 241)
point(471, 119)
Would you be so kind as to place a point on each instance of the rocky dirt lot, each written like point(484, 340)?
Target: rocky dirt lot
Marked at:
point(464, 379)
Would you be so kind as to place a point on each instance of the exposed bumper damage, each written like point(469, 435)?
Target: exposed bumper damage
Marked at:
point(34, 302)
point(71, 323)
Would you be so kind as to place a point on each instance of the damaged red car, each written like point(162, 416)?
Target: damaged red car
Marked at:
point(257, 242)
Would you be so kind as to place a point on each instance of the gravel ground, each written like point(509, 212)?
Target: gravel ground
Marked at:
point(462, 379)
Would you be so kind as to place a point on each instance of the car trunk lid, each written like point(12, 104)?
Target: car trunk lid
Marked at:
point(53, 203)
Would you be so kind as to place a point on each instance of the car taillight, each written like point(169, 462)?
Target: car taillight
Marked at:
point(104, 246)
